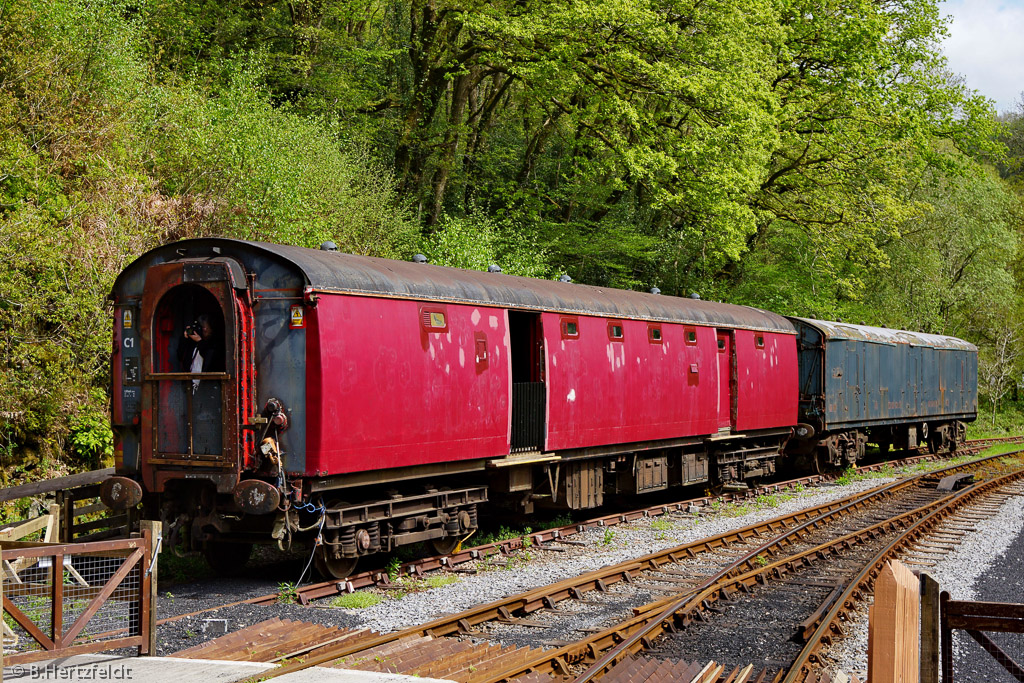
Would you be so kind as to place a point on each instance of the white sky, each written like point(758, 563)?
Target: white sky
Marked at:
point(986, 46)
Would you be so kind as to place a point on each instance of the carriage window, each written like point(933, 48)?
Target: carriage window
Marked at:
point(691, 336)
point(654, 334)
point(759, 341)
point(570, 328)
point(721, 345)
point(615, 331)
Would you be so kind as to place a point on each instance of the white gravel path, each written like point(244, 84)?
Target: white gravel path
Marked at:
point(957, 573)
point(604, 547)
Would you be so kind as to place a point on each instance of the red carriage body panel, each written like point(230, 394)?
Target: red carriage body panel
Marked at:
point(603, 390)
point(767, 375)
point(385, 389)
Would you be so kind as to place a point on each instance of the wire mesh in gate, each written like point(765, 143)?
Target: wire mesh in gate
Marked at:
point(60, 599)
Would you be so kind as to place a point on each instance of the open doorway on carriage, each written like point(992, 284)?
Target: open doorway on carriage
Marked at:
point(188, 380)
point(528, 394)
point(726, 381)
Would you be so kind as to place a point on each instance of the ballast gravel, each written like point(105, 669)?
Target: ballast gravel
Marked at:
point(986, 565)
point(606, 546)
point(495, 578)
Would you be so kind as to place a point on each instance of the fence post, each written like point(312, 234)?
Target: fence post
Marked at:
point(67, 529)
point(151, 531)
point(893, 637)
point(945, 639)
point(53, 529)
point(929, 629)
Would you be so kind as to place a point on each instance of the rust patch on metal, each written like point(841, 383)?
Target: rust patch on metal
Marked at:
point(272, 641)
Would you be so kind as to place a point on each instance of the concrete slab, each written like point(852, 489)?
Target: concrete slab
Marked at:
point(176, 670)
point(137, 669)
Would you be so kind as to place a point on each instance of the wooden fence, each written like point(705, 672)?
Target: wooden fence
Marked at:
point(83, 516)
point(912, 624)
point(893, 639)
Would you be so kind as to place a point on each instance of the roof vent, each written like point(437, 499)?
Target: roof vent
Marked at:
point(565, 278)
point(655, 290)
point(419, 258)
point(328, 246)
point(494, 268)
point(694, 295)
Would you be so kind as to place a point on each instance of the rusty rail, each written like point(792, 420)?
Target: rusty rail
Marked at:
point(559, 660)
point(861, 585)
point(642, 634)
point(417, 568)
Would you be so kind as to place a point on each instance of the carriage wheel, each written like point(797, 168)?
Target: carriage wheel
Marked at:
point(331, 568)
point(821, 465)
point(445, 545)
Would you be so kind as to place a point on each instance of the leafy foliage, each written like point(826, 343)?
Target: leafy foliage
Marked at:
point(813, 157)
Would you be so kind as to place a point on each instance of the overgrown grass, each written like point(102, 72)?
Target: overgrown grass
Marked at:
point(438, 581)
point(851, 475)
point(360, 600)
point(398, 589)
point(1008, 421)
point(662, 524)
point(504, 533)
point(997, 449)
point(564, 519)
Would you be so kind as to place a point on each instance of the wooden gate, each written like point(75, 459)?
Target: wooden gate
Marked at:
point(76, 598)
point(975, 618)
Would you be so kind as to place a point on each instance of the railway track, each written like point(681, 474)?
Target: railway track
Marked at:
point(564, 534)
point(536, 634)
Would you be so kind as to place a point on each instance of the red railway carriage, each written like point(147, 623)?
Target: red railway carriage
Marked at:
point(262, 389)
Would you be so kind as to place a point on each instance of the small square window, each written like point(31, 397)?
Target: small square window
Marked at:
point(434, 318)
point(654, 334)
point(759, 340)
point(570, 328)
point(615, 331)
point(721, 344)
point(691, 336)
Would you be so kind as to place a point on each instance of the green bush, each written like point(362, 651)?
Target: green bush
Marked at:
point(103, 159)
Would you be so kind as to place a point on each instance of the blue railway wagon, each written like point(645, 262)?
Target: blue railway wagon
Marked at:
point(861, 384)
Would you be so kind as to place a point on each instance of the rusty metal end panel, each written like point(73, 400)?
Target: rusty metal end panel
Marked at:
point(838, 331)
point(368, 276)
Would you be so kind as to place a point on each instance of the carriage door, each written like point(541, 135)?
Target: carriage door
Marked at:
point(528, 395)
point(726, 381)
point(190, 405)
